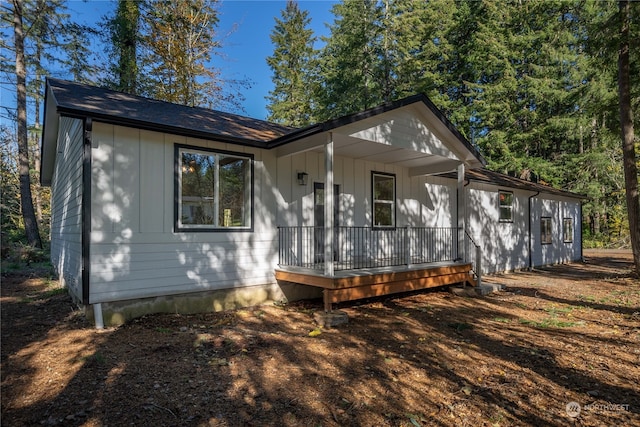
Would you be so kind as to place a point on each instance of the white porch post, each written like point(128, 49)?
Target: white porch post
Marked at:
point(328, 207)
point(462, 211)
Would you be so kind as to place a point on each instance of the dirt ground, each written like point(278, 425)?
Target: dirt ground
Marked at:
point(521, 356)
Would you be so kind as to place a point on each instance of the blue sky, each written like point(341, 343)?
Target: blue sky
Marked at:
point(246, 47)
point(247, 25)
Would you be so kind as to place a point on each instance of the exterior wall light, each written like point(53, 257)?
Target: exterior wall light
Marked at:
point(302, 178)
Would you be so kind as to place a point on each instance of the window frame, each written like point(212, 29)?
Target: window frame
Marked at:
point(546, 236)
point(374, 201)
point(501, 206)
point(567, 237)
point(177, 193)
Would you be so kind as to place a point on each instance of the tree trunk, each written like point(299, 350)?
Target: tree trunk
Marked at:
point(26, 202)
point(626, 126)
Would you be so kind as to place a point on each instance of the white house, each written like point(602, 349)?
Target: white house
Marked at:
point(158, 207)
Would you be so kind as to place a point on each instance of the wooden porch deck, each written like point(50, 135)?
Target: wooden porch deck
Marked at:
point(351, 285)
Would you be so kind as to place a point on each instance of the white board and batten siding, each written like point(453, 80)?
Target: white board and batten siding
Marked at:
point(506, 245)
point(135, 252)
point(66, 206)
point(556, 208)
point(417, 205)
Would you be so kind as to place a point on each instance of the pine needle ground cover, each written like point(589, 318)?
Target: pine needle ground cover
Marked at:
point(558, 346)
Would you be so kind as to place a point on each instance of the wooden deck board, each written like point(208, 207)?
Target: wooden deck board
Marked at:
point(359, 284)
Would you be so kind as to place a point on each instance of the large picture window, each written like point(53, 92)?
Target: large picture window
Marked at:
point(213, 189)
point(384, 200)
point(505, 204)
point(567, 230)
point(546, 237)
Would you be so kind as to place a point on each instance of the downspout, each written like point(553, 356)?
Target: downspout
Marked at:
point(86, 220)
point(530, 234)
point(580, 222)
point(458, 198)
point(461, 211)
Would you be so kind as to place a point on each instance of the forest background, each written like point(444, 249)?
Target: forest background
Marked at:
point(536, 85)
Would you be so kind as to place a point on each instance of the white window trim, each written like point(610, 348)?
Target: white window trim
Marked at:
point(381, 201)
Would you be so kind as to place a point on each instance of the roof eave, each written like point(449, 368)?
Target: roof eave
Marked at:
point(174, 130)
point(49, 141)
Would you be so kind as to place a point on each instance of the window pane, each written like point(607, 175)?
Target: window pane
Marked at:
point(568, 230)
point(383, 187)
point(215, 190)
point(233, 191)
point(505, 213)
point(505, 205)
point(197, 188)
point(545, 230)
point(383, 214)
point(506, 199)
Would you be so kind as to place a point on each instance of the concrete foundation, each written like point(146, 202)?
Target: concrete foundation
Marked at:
point(118, 312)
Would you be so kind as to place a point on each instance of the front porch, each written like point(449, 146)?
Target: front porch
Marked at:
point(367, 262)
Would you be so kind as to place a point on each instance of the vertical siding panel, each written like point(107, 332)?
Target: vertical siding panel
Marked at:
point(153, 191)
point(287, 206)
point(103, 206)
point(126, 179)
point(361, 179)
point(348, 198)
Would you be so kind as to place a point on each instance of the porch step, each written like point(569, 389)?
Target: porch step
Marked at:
point(482, 290)
point(487, 288)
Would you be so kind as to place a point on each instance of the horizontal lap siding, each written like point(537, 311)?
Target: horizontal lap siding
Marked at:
point(66, 209)
point(134, 251)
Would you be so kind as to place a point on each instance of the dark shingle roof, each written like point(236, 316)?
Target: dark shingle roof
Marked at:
point(121, 108)
point(502, 180)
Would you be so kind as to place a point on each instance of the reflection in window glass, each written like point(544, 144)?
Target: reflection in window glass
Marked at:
point(545, 230)
point(506, 206)
point(567, 230)
point(214, 190)
point(384, 189)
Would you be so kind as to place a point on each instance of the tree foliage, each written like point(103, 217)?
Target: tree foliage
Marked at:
point(123, 39)
point(164, 49)
point(533, 84)
point(293, 65)
point(43, 38)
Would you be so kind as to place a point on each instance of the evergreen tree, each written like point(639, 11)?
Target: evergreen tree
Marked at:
point(43, 37)
point(627, 133)
point(123, 31)
point(293, 64)
point(350, 65)
point(26, 200)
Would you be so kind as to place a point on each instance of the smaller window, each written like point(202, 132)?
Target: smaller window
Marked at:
point(545, 231)
point(384, 196)
point(567, 230)
point(505, 202)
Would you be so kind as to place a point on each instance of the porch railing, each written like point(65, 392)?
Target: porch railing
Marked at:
point(473, 255)
point(367, 247)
